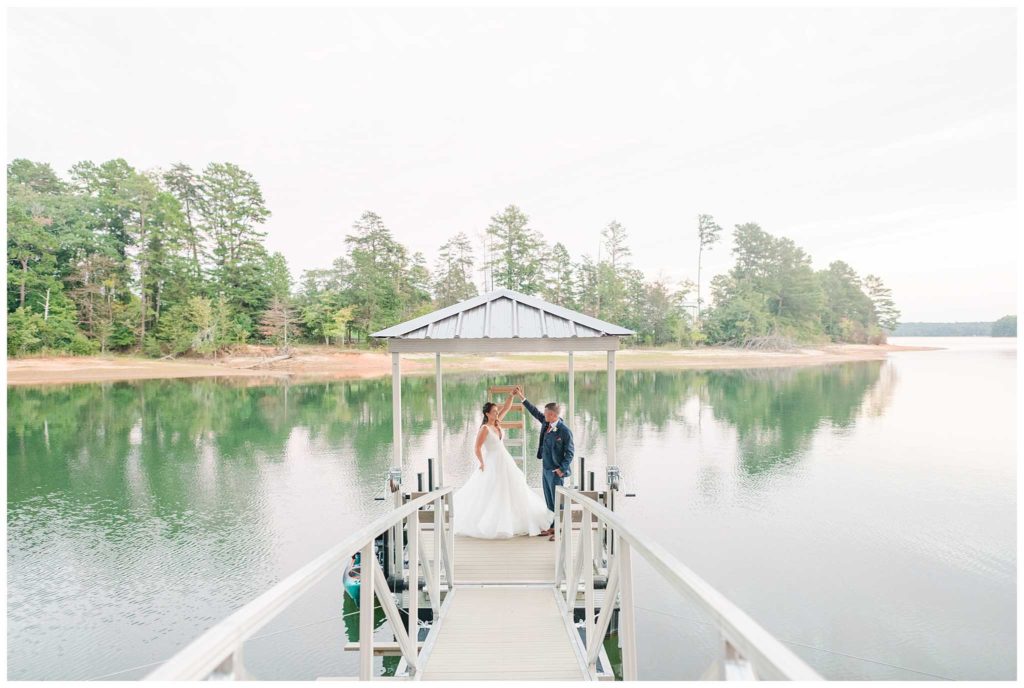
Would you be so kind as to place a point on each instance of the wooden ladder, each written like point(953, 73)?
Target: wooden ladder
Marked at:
point(519, 424)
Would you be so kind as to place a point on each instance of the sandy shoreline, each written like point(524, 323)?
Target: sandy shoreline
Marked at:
point(326, 363)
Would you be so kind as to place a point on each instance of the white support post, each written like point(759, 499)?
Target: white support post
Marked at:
point(396, 409)
point(438, 534)
point(395, 539)
point(605, 617)
point(577, 561)
point(387, 603)
point(366, 562)
point(238, 672)
point(611, 409)
point(441, 534)
point(395, 549)
point(413, 590)
point(451, 533)
point(433, 579)
point(572, 408)
point(627, 613)
point(560, 537)
point(587, 560)
point(439, 463)
point(570, 584)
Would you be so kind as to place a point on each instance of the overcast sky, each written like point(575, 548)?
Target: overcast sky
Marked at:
point(884, 138)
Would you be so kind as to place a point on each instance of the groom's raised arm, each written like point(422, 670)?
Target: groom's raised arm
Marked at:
point(533, 410)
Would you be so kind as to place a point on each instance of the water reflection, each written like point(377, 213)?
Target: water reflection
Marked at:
point(776, 412)
point(141, 513)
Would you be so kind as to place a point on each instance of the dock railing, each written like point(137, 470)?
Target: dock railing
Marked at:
point(606, 545)
point(218, 653)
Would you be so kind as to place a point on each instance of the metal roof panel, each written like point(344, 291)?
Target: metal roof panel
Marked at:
point(492, 315)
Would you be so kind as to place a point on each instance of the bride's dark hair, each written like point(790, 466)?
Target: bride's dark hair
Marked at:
point(487, 409)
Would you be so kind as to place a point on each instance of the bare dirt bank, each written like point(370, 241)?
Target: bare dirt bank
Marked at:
point(324, 363)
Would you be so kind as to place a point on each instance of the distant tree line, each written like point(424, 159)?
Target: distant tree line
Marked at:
point(169, 262)
point(1004, 327)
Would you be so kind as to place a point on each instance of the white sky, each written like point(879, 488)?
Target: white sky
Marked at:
point(885, 138)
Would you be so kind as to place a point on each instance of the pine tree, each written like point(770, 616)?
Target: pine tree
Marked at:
point(453, 281)
point(559, 279)
point(708, 232)
point(232, 209)
point(186, 186)
point(612, 273)
point(518, 252)
point(887, 314)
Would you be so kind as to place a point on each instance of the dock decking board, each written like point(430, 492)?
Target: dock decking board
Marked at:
point(503, 632)
point(504, 619)
point(523, 559)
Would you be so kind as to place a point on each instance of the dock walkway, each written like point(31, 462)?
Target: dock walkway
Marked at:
point(521, 608)
point(503, 618)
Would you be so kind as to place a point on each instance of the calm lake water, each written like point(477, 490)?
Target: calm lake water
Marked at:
point(863, 513)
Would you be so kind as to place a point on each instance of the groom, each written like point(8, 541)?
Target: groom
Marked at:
point(555, 448)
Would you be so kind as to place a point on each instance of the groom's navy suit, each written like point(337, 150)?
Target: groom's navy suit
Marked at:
point(555, 450)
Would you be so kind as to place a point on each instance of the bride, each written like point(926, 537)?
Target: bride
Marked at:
point(496, 502)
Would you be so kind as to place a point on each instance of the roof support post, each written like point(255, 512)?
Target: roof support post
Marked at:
point(611, 409)
point(572, 406)
point(439, 464)
point(396, 409)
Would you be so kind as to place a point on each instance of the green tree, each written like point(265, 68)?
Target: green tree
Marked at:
point(516, 261)
point(739, 312)
point(30, 244)
point(612, 282)
point(559, 277)
point(848, 314)
point(104, 188)
point(232, 209)
point(186, 186)
point(587, 286)
point(631, 306)
point(36, 177)
point(94, 288)
point(708, 232)
point(779, 271)
point(278, 277)
point(662, 314)
point(139, 197)
point(381, 281)
point(24, 331)
point(338, 325)
point(1006, 326)
point(453, 273)
point(201, 325)
point(886, 313)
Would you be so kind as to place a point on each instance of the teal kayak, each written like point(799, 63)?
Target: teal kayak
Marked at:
point(351, 577)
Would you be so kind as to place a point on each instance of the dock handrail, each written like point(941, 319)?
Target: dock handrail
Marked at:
point(219, 649)
point(748, 651)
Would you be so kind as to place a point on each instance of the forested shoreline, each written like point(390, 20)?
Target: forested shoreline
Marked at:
point(1005, 326)
point(171, 262)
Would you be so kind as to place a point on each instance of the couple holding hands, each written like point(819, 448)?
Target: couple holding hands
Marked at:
point(496, 502)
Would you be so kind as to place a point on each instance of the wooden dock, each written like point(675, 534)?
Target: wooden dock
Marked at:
point(519, 560)
point(522, 608)
point(504, 618)
point(503, 632)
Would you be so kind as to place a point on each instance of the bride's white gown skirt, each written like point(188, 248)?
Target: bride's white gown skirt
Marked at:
point(496, 502)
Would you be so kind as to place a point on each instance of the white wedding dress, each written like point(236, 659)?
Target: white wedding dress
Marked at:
point(496, 502)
